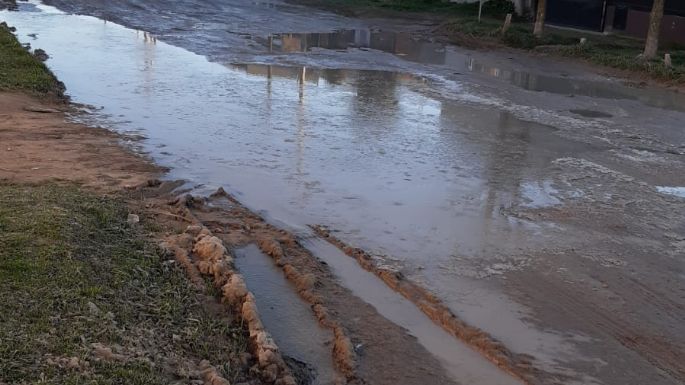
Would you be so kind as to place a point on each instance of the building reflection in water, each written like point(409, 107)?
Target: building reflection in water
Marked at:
point(398, 43)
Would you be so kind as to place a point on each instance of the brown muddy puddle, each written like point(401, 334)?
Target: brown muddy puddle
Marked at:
point(459, 360)
point(290, 321)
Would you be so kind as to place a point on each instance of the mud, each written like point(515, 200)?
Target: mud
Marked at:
point(289, 319)
point(38, 146)
point(211, 258)
point(353, 322)
point(517, 365)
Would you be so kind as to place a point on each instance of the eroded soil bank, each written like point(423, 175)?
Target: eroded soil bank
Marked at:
point(38, 145)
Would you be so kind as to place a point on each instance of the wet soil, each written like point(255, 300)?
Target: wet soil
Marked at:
point(288, 318)
point(38, 145)
point(382, 352)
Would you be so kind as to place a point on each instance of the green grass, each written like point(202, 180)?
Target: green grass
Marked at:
point(63, 251)
point(20, 70)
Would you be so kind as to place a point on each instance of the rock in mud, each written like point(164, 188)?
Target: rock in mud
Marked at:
point(235, 289)
point(211, 376)
point(209, 248)
point(41, 55)
point(133, 219)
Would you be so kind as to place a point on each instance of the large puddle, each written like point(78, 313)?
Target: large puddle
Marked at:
point(360, 151)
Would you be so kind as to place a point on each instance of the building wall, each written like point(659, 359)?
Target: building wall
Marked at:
point(672, 27)
point(522, 7)
point(586, 14)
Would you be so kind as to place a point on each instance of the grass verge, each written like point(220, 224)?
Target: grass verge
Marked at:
point(21, 70)
point(87, 300)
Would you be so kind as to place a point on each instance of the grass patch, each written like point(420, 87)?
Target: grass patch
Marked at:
point(20, 70)
point(73, 273)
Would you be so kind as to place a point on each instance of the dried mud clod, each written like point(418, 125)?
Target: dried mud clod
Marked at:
point(518, 365)
point(210, 375)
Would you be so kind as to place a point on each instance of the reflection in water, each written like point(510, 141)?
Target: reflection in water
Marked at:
point(580, 87)
point(408, 47)
point(398, 43)
point(360, 151)
point(319, 76)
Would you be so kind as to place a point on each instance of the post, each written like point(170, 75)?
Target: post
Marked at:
point(507, 23)
point(667, 60)
point(480, 9)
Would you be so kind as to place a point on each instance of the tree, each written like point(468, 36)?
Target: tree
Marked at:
point(540, 18)
point(652, 43)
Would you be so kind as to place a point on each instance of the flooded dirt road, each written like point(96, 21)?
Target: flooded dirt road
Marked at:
point(540, 201)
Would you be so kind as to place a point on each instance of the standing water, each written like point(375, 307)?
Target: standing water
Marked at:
point(379, 156)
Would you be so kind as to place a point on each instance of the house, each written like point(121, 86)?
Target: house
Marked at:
point(624, 16)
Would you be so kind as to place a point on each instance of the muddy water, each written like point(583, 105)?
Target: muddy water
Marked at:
point(458, 359)
point(360, 151)
point(289, 320)
point(378, 155)
point(423, 168)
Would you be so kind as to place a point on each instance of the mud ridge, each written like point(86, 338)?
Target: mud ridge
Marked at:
point(365, 346)
point(518, 365)
point(271, 243)
point(201, 253)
